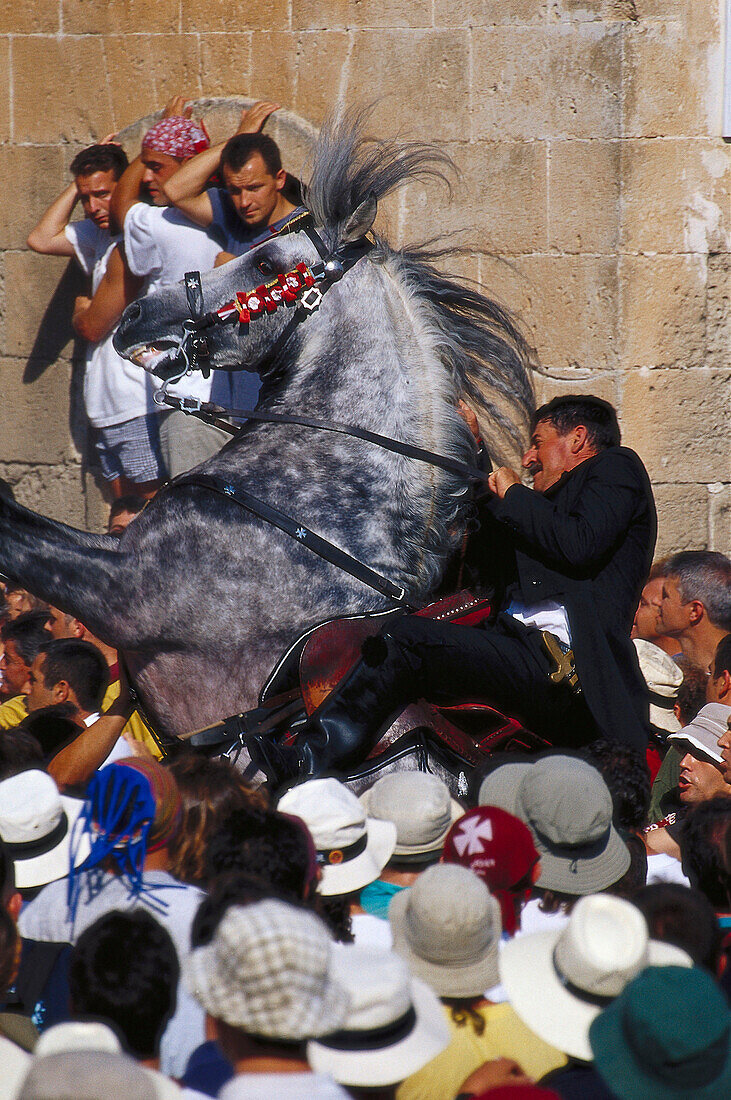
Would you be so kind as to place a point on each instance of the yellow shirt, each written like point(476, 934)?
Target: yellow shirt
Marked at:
point(505, 1036)
point(13, 711)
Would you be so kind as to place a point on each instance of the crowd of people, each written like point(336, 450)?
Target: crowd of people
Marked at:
point(168, 929)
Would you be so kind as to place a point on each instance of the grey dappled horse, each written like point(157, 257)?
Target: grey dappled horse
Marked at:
point(199, 595)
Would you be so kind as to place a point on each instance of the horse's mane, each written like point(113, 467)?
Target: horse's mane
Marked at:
point(481, 341)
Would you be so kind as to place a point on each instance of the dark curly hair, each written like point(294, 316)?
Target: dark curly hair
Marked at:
point(272, 847)
point(624, 770)
point(124, 969)
point(705, 847)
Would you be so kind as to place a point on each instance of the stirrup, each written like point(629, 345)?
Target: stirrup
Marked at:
point(565, 666)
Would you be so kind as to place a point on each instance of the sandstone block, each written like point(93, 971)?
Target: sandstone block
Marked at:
point(392, 65)
point(38, 302)
point(143, 73)
point(234, 16)
point(49, 79)
point(676, 196)
point(567, 303)
point(326, 15)
point(678, 421)
point(96, 505)
point(665, 82)
point(5, 74)
point(273, 66)
point(682, 518)
point(131, 17)
point(582, 11)
point(35, 17)
point(322, 66)
point(584, 192)
point(498, 202)
point(225, 64)
point(663, 311)
point(486, 13)
point(35, 414)
point(602, 384)
point(718, 310)
point(30, 179)
point(554, 81)
point(720, 517)
point(56, 491)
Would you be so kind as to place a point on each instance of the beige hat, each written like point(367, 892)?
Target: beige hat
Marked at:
point(709, 724)
point(421, 808)
point(36, 823)
point(352, 850)
point(568, 808)
point(559, 981)
point(663, 678)
point(448, 926)
point(395, 1024)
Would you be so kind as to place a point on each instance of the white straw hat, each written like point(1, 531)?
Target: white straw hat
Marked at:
point(36, 823)
point(663, 678)
point(352, 850)
point(709, 724)
point(448, 926)
point(559, 981)
point(395, 1024)
point(420, 806)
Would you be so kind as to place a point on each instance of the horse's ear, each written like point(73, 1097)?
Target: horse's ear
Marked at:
point(360, 220)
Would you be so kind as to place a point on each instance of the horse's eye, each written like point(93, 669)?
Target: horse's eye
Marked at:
point(265, 267)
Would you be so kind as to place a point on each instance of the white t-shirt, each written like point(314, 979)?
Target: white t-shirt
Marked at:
point(115, 390)
point(162, 245)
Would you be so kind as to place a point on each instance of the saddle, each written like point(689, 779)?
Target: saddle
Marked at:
point(450, 741)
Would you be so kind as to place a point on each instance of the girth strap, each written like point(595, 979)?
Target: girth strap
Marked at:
point(299, 532)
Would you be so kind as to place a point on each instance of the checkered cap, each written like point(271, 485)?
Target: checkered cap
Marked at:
point(267, 972)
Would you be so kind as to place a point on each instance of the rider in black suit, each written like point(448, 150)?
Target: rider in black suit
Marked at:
point(569, 556)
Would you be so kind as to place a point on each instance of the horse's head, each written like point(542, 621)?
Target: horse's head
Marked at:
point(246, 304)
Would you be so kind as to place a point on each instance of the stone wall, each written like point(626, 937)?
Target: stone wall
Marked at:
point(594, 193)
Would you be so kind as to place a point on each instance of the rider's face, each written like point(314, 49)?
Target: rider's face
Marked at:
point(254, 191)
point(549, 455)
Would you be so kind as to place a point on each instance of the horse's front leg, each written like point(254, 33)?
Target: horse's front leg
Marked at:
point(83, 574)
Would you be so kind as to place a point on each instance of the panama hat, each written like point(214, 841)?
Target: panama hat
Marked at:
point(663, 678)
point(395, 1024)
point(568, 808)
point(420, 806)
point(558, 981)
point(352, 849)
point(448, 926)
point(36, 825)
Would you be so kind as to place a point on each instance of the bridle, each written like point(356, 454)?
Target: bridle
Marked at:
point(302, 288)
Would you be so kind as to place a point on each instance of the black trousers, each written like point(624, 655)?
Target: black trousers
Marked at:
point(504, 664)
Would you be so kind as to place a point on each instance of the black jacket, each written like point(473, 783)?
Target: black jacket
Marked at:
point(586, 542)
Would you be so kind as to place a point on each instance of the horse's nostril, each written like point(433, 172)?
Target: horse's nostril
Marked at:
point(132, 312)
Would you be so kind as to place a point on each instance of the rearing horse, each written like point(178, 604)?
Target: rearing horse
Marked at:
point(200, 595)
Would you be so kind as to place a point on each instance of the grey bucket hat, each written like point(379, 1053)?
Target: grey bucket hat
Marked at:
point(448, 926)
point(568, 808)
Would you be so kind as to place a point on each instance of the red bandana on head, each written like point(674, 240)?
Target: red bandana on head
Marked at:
point(176, 136)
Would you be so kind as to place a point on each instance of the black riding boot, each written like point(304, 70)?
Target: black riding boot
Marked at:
point(343, 729)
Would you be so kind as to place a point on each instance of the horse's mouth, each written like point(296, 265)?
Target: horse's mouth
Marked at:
point(160, 359)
